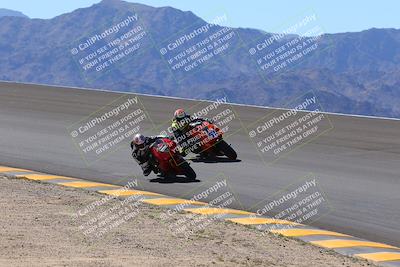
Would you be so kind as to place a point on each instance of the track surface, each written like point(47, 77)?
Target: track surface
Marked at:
point(357, 163)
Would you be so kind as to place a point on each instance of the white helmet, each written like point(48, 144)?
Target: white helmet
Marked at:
point(179, 114)
point(139, 139)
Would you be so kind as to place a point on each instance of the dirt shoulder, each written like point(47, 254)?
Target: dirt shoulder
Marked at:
point(40, 227)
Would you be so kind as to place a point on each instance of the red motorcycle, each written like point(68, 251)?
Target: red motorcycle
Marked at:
point(168, 160)
point(209, 141)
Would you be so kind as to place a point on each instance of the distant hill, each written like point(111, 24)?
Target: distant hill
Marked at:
point(357, 73)
point(11, 13)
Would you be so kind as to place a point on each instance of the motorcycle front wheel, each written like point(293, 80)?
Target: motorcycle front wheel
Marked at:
point(226, 149)
point(188, 171)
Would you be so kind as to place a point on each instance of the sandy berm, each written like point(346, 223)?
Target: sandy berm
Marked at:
point(38, 228)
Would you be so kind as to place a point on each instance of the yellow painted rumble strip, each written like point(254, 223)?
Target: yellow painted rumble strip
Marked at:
point(255, 220)
point(9, 169)
point(211, 211)
point(335, 243)
point(83, 184)
point(338, 243)
point(41, 177)
point(380, 256)
point(305, 232)
point(172, 201)
point(122, 192)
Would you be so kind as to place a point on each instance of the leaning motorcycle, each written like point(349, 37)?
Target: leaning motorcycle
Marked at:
point(168, 160)
point(209, 140)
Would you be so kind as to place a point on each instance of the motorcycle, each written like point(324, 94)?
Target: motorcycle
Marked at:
point(209, 141)
point(168, 160)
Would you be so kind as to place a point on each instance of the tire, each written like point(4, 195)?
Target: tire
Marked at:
point(188, 171)
point(226, 149)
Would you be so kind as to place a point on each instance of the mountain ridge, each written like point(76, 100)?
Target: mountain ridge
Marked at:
point(355, 73)
point(4, 12)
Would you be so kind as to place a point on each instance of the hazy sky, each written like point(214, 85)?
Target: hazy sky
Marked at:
point(334, 16)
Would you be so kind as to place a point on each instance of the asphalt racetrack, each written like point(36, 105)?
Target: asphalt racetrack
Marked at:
point(355, 161)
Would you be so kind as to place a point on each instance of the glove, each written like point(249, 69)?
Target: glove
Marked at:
point(146, 172)
point(146, 168)
point(183, 153)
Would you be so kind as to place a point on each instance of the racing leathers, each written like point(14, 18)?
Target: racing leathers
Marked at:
point(143, 156)
point(181, 129)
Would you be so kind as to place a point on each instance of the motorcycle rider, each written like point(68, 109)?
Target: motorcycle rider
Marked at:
point(140, 146)
point(181, 121)
point(180, 126)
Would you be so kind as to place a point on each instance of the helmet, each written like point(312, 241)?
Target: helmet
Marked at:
point(179, 114)
point(139, 140)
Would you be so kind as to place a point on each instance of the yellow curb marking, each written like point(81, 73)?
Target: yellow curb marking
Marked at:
point(9, 169)
point(305, 232)
point(338, 243)
point(380, 256)
point(211, 211)
point(122, 192)
point(40, 177)
point(172, 201)
point(252, 220)
point(81, 184)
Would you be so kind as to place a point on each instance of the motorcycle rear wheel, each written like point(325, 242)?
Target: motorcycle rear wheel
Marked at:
point(226, 149)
